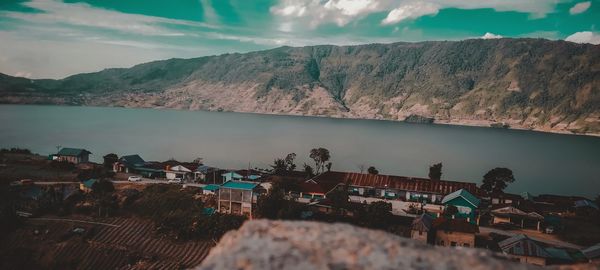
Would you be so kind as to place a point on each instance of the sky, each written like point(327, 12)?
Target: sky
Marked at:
point(54, 39)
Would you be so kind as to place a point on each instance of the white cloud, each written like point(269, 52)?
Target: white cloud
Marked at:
point(410, 11)
point(342, 12)
point(489, 35)
point(580, 7)
point(80, 14)
point(584, 37)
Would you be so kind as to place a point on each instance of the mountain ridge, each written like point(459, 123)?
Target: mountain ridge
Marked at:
point(519, 83)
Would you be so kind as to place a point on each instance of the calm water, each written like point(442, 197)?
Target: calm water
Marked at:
point(542, 163)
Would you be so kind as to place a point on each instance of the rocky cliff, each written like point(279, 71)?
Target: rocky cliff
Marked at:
point(520, 83)
point(262, 244)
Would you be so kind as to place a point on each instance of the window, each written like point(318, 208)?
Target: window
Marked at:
point(420, 233)
point(452, 244)
point(466, 245)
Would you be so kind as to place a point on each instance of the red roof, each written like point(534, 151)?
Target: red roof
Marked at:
point(330, 179)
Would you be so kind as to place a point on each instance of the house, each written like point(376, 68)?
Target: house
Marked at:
point(454, 232)
point(504, 199)
point(517, 217)
point(72, 155)
point(394, 187)
point(136, 164)
point(465, 202)
point(232, 176)
point(237, 197)
point(128, 164)
point(421, 229)
point(241, 175)
point(203, 172)
point(592, 253)
point(249, 175)
point(178, 172)
point(586, 205)
point(524, 249)
point(86, 186)
point(210, 189)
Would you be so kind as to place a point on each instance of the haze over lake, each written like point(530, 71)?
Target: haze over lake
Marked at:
point(541, 162)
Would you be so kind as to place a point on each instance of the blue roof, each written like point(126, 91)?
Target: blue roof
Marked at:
point(464, 194)
point(239, 185)
point(211, 187)
point(89, 183)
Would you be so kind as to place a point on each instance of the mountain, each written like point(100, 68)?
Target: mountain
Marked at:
point(519, 83)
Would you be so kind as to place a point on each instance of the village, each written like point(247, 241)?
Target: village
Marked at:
point(539, 229)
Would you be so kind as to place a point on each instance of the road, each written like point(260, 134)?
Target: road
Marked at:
point(539, 236)
point(144, 181)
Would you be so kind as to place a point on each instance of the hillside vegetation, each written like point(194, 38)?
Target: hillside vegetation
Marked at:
point(520, 83)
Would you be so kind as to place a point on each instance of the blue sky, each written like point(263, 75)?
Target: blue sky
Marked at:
point(54, 39)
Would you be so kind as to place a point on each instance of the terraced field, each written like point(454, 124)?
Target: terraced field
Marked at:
point(121, 243)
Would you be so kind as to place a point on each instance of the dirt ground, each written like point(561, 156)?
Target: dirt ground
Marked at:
point(109, 243)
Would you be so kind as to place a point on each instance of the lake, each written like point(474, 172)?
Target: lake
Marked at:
point(541, 162)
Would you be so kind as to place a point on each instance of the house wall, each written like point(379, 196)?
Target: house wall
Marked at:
point(496, 220)
point(420, 236)
point(465, 208)
point(447, 239)
point(235, 201)
point(530, 260)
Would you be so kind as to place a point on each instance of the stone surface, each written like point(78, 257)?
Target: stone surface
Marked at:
point(263, 244)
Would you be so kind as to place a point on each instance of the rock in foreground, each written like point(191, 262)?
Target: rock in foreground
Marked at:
point(263, 244)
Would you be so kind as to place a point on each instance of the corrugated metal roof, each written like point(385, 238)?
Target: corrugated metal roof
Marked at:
point(72, 152)
point(132, 160)
point(422, 223)
point(524, 246)
point(586, 203)
point(331, 179)
point(592, 252)
point(465, 195)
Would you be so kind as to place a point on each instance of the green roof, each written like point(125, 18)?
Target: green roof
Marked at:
point(211, 187)
point(89, 183)
point(464, 194)
point(239, 185)
point(72, 152)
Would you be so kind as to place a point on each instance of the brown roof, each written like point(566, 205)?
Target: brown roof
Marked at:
point(331, 179)
point(454, 225)
point(311, 187)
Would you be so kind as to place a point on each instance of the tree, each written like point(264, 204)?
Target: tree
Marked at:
point(361, 167)
point(328, 166)
point(435, 171)
point(110, 159)
point(8, 217)
point(309, 171)
point(496, 180)
point(320, 156)
point(269, 205)
point(372, 170)
point(339, 197)
point(377, 215)
point(281, 166)
point(102, 193)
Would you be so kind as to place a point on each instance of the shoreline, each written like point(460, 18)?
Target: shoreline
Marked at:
point(459, 123)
